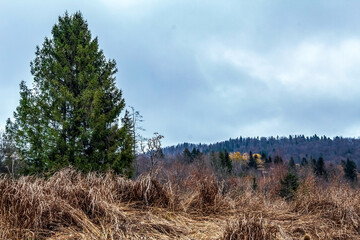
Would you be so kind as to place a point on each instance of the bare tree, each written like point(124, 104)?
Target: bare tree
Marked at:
point(153, 149)
point(9, 160)
point(137, 119)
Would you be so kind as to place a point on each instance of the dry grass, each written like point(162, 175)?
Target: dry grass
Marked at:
point(249, 228)
point(71, 205)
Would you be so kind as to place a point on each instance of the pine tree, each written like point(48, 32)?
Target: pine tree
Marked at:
point(187, 156)
point(289, 185)
point(71, 115)
point(227, 162)
point(195, 153)
point(350, 170)
point(320, 167)
point(292, 163)
point(221, 157)
point(304, 162)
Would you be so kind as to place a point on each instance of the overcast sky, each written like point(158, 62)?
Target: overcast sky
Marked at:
point(205, 71)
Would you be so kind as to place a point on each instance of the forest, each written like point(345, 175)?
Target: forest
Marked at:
point(74, 166)
point(333, 150)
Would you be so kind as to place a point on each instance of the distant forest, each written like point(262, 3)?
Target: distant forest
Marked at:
point(297, 146)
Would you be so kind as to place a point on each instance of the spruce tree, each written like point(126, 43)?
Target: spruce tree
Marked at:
point(71, 115)
point(227, 162)
point(193, 153)
point(292, 165)
point(221, 157)
point(304, 162)
point(289, 185)
point(350, 170)
point(320, 167)
point(187, 156)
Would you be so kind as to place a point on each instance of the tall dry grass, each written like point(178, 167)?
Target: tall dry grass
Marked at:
point(248, 228)
point(71, 205)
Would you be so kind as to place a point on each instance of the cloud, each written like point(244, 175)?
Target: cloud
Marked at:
point(311, 66)
point(205, 71)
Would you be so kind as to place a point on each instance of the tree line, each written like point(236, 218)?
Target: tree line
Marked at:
point(334, 150)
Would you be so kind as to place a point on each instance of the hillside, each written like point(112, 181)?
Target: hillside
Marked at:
point(298, 146)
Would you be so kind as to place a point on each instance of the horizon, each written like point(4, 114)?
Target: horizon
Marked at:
point(267, 137)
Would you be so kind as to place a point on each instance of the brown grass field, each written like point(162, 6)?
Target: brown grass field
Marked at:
point(71, 205)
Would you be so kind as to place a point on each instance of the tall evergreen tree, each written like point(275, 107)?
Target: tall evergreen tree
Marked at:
point(221, 156)
point(227, 162)
point(289, 185)
point(304, 162)
point(187, 156)
point(195, 153)
point(71, 115)
point(292, 164)
point(350, 170)
point(320, 167)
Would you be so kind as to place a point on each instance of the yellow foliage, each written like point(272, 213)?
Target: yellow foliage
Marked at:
point(256, 155)
point(236, 156)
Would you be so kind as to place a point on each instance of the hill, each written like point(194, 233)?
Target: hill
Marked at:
point(298, 146)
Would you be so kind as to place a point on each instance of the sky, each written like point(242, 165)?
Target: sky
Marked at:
point(206, 71)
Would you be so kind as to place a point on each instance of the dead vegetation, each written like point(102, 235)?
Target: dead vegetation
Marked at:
point(250, 228)
point(70, 205)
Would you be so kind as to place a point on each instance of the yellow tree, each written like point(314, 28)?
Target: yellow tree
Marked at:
point(236, 156)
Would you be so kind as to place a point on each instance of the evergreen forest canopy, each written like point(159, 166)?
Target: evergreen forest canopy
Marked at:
point(71, 116)
point(331, 149)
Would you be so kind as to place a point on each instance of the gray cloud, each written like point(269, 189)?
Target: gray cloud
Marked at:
point(204, 71)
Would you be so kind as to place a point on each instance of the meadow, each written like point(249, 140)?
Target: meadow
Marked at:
point(180, 201)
